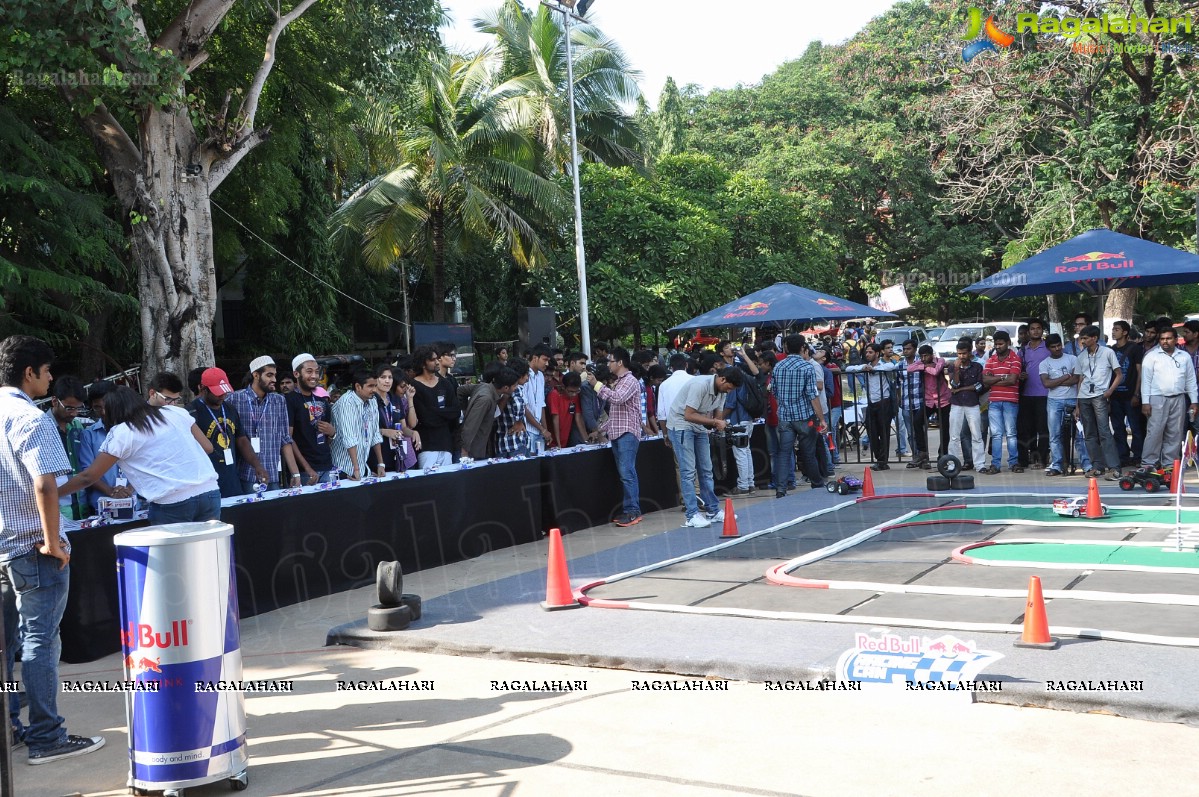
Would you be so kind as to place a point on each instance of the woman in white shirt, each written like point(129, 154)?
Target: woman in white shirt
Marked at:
point(163, 454)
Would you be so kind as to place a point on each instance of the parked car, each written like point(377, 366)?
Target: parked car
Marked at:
point(898, 335)
point(947, 345)
point(934, 334)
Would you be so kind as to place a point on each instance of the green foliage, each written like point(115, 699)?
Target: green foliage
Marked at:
point(60, 251)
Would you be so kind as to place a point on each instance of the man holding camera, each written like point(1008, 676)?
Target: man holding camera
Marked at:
point(692, 414)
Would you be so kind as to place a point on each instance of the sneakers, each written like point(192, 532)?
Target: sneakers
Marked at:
point(715, 517)
point(743, 492)
point(68, 748)
point(1052, 472)
point(697, 521)
point(624, 521)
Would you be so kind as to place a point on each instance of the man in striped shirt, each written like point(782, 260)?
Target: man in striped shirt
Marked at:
point(623, 428)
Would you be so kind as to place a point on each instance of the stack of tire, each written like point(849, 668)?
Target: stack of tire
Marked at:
point(395, 610)
point(951, 478)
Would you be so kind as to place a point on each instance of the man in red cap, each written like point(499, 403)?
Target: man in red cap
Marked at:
point(221, 424)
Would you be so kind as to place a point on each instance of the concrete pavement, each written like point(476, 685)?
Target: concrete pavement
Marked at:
point(470, 734)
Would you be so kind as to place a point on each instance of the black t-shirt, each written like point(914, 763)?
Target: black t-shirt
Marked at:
point(222, 428)
point(437, 414)
point(1127, 356)
point(303, 414)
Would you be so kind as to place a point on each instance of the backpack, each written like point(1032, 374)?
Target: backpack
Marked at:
point(753, 401)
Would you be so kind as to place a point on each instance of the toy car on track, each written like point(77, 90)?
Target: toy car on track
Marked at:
point(1074, 507)
point(844, 485)
point(1152, 479)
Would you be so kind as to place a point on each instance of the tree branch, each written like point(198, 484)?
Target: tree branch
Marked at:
point(249, 106)
point(221, 169)
point(192, 28)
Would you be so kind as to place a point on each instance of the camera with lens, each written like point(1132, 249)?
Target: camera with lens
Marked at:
point(732, 436)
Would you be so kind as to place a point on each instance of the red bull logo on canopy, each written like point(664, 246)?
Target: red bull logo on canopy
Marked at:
point(751, 310)
point(1093, 261)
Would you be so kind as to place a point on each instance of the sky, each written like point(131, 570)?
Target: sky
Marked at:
point(716, 45)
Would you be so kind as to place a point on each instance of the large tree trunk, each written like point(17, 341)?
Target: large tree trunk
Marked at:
point(172, 248)
point(1120, 304)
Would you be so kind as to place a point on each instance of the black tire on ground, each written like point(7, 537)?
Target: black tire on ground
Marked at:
point(842, 488)
point(389, 583)
point(388, 618)
point(413, 603)
point(937, 483)
point(965, 482)
point(1127, 484)
point(1074, 513)
point(1151, 484)
point(831, 486)
point(949, 466)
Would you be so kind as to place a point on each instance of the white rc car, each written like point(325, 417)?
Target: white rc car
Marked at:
point(1074, 507)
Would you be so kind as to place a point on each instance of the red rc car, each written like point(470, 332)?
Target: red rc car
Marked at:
point(1152, 479)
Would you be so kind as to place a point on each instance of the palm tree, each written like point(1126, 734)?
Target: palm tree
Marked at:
point(468, 177)
point(532, 48)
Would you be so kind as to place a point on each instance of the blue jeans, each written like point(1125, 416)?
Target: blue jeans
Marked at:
point(1057, 409)
point(191, 510)
point(1002, 417)
point(693, 454)
point(35, 597)
point(624, 449)
point(784, 461)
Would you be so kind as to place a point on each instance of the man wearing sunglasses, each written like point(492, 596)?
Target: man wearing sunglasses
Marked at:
point(1168, 399)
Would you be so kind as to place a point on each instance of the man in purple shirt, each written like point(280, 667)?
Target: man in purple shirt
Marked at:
point(1032, 424)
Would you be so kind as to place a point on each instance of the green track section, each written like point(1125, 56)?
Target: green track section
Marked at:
point(1084, 554)
point(1037, 514)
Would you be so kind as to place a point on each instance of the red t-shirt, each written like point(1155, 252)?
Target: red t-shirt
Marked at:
point(1010, 365)
point(563, 409)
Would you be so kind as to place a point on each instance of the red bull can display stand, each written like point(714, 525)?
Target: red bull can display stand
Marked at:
point(181, 643)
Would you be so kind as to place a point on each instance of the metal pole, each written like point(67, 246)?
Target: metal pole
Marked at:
point(407, 318)
point(580, 255)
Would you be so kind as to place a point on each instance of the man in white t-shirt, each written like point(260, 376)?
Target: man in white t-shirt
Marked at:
point(533, 392)
point(1057, 375)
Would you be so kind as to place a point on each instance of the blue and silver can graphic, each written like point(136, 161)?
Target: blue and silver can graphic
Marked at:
point(179, 628)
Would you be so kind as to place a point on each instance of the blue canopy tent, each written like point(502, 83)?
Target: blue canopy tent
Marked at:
point(780, 305)
point(1095, 262)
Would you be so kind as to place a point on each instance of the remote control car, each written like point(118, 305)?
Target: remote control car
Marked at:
point(1152, 479)
point(1074, 507)
point(844, 485)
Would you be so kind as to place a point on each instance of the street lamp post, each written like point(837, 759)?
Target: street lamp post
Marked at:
point(580, 254)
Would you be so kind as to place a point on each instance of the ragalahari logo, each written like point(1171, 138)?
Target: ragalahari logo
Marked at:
point(983, 35)
point(1093, 261)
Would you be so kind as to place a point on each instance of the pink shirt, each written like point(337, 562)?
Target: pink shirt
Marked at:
point(936, 389)
point(624, 406)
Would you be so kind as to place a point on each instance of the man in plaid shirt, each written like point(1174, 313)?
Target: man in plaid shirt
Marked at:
point(34, 552)
point(510, 438)
point(800, 417)
point(911, 404)
point(623, 428)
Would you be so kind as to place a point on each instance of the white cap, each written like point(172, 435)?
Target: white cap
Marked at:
point(300, 359)
point(260, 362)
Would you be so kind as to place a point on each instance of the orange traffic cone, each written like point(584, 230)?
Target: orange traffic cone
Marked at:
point(1176, 485)
point(867, 484)
point(557, 583)
point(1094, 505)
point(730, 520)
point(1036, 625)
